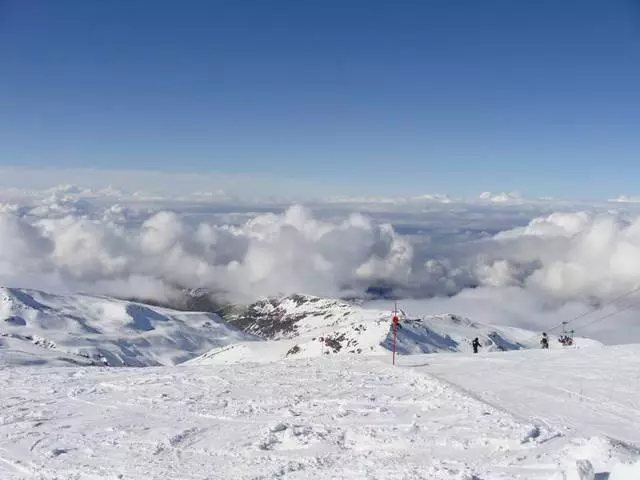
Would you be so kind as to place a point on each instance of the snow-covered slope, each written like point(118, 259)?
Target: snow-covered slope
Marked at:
point(310, 326)
point(20, 351)
point(522, 415)
point(590, 398)
point(36, 327)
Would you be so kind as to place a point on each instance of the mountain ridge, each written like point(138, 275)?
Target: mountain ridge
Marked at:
point(309, 326)
point(37, 326)
point(110, 331)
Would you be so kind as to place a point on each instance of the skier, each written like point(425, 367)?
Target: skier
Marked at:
point(545, 341)
point(475, 344)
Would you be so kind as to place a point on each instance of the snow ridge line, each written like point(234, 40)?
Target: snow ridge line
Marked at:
point(211, 354)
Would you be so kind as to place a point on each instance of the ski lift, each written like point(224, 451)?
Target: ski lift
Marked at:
point(566, 339)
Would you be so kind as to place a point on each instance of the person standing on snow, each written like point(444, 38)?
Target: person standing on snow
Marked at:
point(545, 341)
point(475, 344)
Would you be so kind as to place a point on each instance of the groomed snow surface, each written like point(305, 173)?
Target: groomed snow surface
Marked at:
point(558, 414)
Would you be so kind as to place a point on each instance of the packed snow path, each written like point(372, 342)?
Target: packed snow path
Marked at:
point(330, 418)
point(595, 391)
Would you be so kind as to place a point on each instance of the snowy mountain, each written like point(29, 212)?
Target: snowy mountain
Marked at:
point(302, 325)
point(39, 327)
point(510, 412)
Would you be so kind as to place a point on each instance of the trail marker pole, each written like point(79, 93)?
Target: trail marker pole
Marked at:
point(396, 320)
point(395, 332)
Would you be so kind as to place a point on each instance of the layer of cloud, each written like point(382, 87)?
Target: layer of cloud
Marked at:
point(392, 200)
point(625, 199)
point(153, 185)
point(113, 249)
point(577, 255)
point(238, 187)
point(519, 264)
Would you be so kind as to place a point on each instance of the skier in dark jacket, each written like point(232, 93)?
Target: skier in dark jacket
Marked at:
point(475, 344)
point(545, 341)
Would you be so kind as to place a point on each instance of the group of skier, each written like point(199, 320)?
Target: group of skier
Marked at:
point(565, 340)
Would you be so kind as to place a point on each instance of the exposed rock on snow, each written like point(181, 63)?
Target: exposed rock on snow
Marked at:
point(302, 325)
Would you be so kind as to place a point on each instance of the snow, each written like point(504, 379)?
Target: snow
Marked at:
point(306, 326)
point(492, 416)
point(39, 326)
point(624, 471)
point(255, 407)
point(600, 384)
point(589, 397)
point(22, 351)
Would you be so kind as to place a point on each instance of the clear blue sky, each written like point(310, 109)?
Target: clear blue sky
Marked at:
point(541, 96)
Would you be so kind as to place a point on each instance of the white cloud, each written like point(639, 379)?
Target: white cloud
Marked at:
point(625, 199)
point(548, 271)
point(501, 197)
point(392, 200)
point(563, 224)
point(90, 248)
point(157, 184)
point(512, 198)
point(525, 263)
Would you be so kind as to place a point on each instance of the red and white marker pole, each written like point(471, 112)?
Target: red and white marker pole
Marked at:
point(396, 320)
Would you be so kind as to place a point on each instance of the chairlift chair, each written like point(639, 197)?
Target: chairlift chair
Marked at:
point(566, 339)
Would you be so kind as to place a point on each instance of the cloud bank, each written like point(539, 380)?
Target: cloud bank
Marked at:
point(505, 264)
point(146, 184)
point(118, 251)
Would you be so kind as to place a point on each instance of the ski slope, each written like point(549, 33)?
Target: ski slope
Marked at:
point(594, 392)
point(38, 327)
point(496, 416)
point(22, 351)
point(306, 326)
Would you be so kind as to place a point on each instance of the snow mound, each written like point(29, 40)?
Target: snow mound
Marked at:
point(306, 326)
point(38, 327)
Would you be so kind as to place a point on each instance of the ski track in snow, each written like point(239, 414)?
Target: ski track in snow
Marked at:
point(589, 397)
point(599, 389)
point(516, 415)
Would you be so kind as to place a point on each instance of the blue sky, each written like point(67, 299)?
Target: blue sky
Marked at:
point(362, 97)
